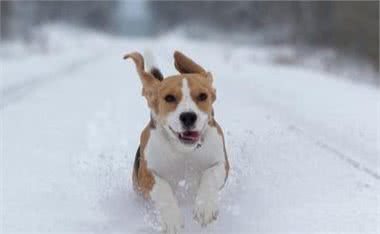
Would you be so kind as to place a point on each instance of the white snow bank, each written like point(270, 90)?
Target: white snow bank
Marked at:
point(50, 51)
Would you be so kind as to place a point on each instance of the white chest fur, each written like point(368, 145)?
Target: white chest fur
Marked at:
point(179, 167)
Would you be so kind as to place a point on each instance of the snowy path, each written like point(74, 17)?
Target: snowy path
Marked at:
point(303, 147)
point(13, 93)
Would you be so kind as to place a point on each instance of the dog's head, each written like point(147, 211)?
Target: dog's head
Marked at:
point(180, 104)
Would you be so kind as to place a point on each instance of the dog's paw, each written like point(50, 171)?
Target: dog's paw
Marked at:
point(172, 221)
point(205, 212)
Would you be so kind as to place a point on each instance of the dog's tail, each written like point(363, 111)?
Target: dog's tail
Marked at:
point(151, 65)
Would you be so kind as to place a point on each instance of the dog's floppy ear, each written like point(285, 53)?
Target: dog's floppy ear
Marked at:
point(148, 81)
point(146, 77)
point(186, 65)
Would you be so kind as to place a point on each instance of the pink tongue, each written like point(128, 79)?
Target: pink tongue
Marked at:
point(190, 135)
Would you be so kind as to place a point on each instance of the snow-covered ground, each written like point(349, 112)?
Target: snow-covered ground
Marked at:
point(304, 145)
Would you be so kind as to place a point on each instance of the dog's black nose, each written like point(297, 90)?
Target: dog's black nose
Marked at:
point(188, 119)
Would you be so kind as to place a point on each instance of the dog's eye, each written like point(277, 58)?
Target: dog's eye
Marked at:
point(202, 97)
point(170, 98)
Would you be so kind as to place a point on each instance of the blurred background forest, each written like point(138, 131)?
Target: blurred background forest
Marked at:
point(348, 27)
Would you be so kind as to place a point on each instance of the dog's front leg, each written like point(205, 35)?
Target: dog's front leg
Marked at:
point(206, 202)
point(164, 200)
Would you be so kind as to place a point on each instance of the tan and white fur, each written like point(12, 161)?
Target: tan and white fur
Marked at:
point(182, 142)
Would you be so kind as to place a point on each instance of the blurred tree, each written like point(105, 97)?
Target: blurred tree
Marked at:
point(356, 27)
point(5, 16)
point(352, 27)
point(18, 17)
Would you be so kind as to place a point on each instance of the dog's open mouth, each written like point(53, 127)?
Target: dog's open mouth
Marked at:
point(188, 137)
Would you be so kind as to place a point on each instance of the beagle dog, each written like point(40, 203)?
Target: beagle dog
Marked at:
point(182, 143)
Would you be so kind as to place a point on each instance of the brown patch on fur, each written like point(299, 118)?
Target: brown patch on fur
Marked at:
point(213, 123)
point(197, 85)
point(143, 179)
point(169, 86)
